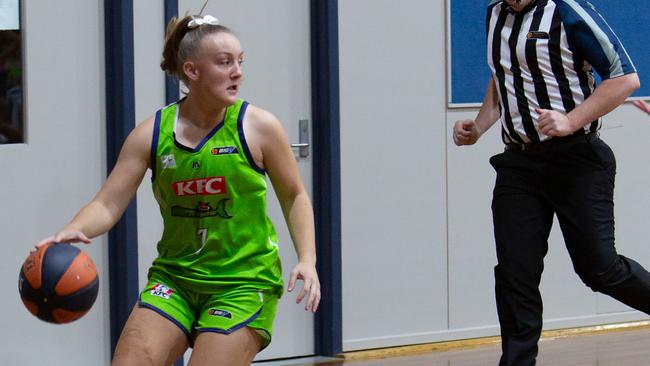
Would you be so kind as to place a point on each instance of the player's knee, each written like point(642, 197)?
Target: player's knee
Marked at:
point(133, 349)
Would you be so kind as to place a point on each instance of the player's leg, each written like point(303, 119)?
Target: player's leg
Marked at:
point(148, 338)
point(159, 328)
point(522, 221)
point(585, 207)
point(235, 349)
point(233, 327)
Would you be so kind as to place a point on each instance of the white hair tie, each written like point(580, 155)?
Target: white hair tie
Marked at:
point(199, 21)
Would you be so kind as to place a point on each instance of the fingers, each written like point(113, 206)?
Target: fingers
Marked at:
point(64, 237)
point(83, 238)
point(465, 132)
point(467, 125)
point(71, 237)
point(311, 286)
point(314, 298)
point(642, 105)
point(292, 280)
point(45, 241)
point(305, 289)
point(464, 127)
point(311, 290)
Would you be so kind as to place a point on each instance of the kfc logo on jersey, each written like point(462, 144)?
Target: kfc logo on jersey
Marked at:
point(200, 187)
point(161, 290)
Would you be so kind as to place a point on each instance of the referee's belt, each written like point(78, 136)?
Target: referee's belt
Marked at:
point(552, 143)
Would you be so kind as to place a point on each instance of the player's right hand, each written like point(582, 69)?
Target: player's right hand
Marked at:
point(65, 236)
point(465, 132)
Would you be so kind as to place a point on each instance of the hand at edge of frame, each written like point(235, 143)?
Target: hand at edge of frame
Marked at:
point(642, 105)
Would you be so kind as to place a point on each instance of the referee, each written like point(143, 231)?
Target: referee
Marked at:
point(542, 53)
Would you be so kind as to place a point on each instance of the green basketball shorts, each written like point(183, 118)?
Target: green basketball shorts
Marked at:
point(223, 312)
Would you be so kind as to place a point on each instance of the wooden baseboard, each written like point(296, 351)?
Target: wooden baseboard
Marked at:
point(464, 344)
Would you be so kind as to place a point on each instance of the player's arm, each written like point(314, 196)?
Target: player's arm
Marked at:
point(106, 208)
point(467, 132)
point(279, 162)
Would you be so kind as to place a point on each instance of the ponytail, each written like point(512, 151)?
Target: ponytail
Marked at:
point(182, 41)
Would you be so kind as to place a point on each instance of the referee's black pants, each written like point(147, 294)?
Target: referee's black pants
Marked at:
point(573, 179)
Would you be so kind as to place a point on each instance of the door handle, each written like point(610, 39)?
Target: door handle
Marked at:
point(303, 138)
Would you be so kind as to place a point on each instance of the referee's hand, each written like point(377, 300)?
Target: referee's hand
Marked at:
point(642, 105)
point(465, 132)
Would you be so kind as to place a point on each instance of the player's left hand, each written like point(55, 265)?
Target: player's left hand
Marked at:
point(554, 123)
point(307, 273)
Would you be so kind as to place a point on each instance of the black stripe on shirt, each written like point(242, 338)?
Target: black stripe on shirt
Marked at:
point(555, 53)
point(496, 57)
point(518, 81)
point(531, 59)
point(583, 77)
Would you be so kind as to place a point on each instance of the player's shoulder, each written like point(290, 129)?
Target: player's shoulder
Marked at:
point(261, 118)
point(142, 135)
point(144, 127)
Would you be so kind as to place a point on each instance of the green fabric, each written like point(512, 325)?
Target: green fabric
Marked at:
point(212, 198)
point(223, 312)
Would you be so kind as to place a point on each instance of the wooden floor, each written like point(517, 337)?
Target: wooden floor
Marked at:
point(618, 348)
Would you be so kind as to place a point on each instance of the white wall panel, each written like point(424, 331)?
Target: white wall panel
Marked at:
point(393, 183)
point(59, 169)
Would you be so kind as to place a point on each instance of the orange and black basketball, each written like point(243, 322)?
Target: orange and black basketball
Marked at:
point(58, 283)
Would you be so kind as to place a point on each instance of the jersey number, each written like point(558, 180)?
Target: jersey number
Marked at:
point(203, 233)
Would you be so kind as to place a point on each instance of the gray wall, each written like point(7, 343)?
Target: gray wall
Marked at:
point(47, 179)
point(418, 250)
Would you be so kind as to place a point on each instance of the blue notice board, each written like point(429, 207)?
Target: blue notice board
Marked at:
point(469, 73)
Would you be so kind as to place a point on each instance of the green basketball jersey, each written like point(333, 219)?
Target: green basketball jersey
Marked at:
point(212, 199)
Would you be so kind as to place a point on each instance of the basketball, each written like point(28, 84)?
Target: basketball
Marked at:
point(58, 283)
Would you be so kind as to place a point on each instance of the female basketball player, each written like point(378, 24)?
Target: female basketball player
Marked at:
point(217, 278)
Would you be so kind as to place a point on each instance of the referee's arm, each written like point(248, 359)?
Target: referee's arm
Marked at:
point(489, 112)
point(606, 97)
point(609, 95)
point(467, 132)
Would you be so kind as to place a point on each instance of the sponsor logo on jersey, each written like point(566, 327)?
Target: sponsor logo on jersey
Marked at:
point(161, 290)
point(203, 209)
point(221, 313)
point(226, 150)
point(200, 187)
point(168, 161)
point(537, 35)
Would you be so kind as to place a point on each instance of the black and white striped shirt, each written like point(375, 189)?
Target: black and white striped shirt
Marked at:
point(543, 57)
